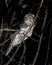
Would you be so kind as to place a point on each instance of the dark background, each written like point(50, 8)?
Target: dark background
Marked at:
point(31, 46)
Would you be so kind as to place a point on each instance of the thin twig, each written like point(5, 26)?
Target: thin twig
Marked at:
point(33, 39)
point(13, 35)
point(20, 2)
point(13, 17)
point(40, 40)
point(48, 24)
point(1, 27)
point(45, 18)
point(35, 5)
point(40, 37)
point(38, 10)
point(13, 55)
point(1, 57)
point(48, 45)
point(8, 55)
point(23, 53)
point(37, 35)
point(6, 3)
point(6, 29)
